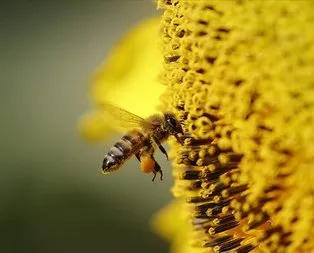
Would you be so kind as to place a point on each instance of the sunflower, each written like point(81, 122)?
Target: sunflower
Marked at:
point(239, 76)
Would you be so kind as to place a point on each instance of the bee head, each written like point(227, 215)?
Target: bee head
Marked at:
point(173, 125)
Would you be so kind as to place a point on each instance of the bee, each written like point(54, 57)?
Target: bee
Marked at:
point(142, 141)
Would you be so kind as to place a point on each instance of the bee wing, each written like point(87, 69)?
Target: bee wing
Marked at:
point(120, 118)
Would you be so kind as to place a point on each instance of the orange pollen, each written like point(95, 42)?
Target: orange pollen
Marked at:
point(147, 164)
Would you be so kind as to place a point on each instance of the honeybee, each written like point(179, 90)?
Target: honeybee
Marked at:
point(142, 141)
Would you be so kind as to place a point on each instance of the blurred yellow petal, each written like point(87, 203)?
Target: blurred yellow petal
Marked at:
point(93, 127)
point(129, 78)
point(168, 221)
point(171, 224)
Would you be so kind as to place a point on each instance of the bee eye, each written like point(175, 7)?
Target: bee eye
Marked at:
point(172, 122)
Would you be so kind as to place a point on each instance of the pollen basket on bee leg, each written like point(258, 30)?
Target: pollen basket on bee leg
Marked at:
point(147, 164)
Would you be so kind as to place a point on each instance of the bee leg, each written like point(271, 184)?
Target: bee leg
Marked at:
point(156, 170)
point(161, 174)
point(155, 173)
point(162, 149)
point(179, 140)
point(137, 155)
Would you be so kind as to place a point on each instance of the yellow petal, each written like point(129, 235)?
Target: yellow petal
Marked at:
point(168, 221)
point(129, 78)
point(93, 127)
point(171, 224)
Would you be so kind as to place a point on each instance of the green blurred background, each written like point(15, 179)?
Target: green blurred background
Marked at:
point(53, 197)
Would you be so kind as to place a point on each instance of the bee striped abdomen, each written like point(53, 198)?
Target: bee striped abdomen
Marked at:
point(122, 150)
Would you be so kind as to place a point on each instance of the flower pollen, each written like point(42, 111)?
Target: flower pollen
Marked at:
point(239, 77)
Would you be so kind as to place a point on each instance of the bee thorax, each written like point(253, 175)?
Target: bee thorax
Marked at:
point(161, 136)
